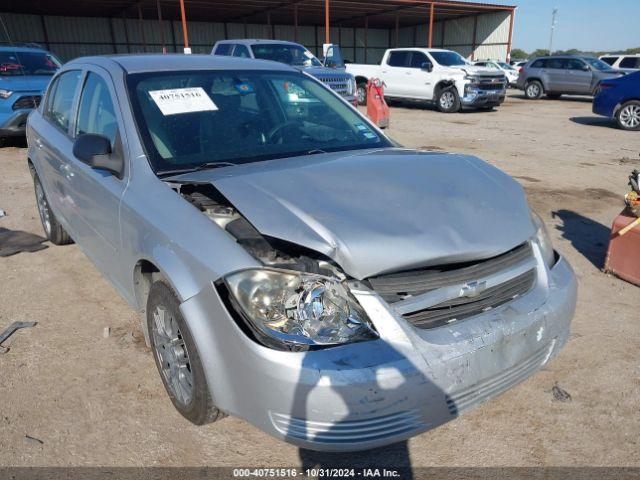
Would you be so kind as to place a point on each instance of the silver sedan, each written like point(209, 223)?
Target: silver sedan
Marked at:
point(292, 265)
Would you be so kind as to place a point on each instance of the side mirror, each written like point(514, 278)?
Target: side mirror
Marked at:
point(95, 151)
point(426, 66)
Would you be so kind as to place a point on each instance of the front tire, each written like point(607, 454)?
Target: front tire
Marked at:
point(448, 100)
point(52, 228)
point(533, 90)
point(177, 357)
point(361, 93)
point(628, 117)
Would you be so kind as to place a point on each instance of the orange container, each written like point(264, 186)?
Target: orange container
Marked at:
point(623, 255)
point(377, 108)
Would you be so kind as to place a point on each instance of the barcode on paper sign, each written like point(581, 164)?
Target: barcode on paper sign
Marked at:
point(182, 100)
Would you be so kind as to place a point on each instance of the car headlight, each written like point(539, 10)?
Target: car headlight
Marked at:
point(472, 79)
point(543, 240)
point(294, 309)
point(5, 93)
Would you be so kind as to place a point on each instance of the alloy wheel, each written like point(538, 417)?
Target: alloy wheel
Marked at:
point(172, 356)
point(447, 99)
point(361, 92)
point(533, 90)
point(630, 116)
point(43, 208)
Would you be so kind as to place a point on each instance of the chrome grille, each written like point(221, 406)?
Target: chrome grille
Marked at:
point(27, 101)
point(491, 84)
point(463, 307)
point(338, 84)
point(396, 286)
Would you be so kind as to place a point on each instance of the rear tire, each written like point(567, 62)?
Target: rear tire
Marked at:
point(554, 96)
point(177, 357)
point(447, 100)
point(361, 93)
point(628, 116)
point(52, 228)
point(533, 90)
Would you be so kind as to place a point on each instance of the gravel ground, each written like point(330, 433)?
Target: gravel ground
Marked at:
point(93, 401)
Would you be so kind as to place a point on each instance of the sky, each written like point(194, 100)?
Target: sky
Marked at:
point(589, 25)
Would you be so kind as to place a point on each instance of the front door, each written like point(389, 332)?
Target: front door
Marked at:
point(579, 76)
point(97, 193)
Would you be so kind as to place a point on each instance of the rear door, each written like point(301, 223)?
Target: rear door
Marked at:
point(54, 145)
point(556, 79)
point(394, 74)
point(579, 77)
point(97, 193)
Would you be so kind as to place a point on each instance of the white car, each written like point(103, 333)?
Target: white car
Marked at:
point(627, 63)
point(510, 72)
point(434, 75)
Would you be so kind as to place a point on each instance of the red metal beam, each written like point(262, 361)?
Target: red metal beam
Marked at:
point(512, 17)
point(326, 22)
point(185, 34)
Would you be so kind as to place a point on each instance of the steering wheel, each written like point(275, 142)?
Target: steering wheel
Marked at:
point(271, 135)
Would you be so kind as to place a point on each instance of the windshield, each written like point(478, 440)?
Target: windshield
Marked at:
point(597, 63)
point(187, 119)
point(449, 59)
point(506, 66)
point(27, 63)
point(295, 55)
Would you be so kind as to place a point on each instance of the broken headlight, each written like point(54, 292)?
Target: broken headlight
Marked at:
point(543, 240)
point(298, 309)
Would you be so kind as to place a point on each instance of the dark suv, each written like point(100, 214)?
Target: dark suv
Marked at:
point(556, 75)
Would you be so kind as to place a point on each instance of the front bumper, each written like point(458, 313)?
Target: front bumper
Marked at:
point(483, 98)
point(374, 393)
point(14, 124)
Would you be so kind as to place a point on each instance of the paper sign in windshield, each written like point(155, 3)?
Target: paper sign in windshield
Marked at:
point(182, 100)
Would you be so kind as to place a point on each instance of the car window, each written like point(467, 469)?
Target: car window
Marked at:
point(609, 60)
point(481, 64)
point(27, 63)
point(190, 118)
point(556, 63)
point(541, 63)
point(290, 54)
point(60, 102)
point(417, 59)
point(399, 58)
point(630, 62)
point(574, 64)
point(224, 49)
point(96, 113)
point(241, 51)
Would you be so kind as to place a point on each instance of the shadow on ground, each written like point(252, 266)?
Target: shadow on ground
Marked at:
point(20, 142)
point(593, 121)
point(587, 236)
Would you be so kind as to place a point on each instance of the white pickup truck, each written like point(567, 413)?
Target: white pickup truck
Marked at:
point(434, 75)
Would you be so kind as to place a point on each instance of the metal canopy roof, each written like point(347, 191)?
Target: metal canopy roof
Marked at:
point(348, 13)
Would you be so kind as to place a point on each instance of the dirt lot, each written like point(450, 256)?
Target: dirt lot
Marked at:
point(99, 401)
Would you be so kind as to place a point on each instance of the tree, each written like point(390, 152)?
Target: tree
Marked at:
point(519, 54)
point(540, 52)
point(632, 51)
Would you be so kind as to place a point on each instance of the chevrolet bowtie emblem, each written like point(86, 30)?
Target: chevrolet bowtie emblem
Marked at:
point(473, 289)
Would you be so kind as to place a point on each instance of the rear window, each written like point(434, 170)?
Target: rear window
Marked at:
point(630, 62)
point(609, 60)
point(13, 64)
point(224, 49)
point(556, 63)
point(541, 63)
point(399, 59)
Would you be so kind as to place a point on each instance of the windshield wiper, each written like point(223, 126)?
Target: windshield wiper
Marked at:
point(208, 165)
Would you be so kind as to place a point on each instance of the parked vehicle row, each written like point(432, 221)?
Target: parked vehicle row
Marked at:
point(237, 204)
point(628, 63)
point(442, 77)
point(509, 71)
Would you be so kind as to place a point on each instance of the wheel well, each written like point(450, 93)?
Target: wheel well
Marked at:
point(144, 274)
point(361, 79)
point(529, 80)
point(32, 169)
point(442, 85)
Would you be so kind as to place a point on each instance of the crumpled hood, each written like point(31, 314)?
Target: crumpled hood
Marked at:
point(25, 83)
point(477, 70)
point(380, 211)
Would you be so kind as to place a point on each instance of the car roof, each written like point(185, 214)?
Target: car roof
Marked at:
point(254, 41)
point(158, 62)
point(11, 48)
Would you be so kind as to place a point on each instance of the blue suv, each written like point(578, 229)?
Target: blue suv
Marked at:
point(25, 73)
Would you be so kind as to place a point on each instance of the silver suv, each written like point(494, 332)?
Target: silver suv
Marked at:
point(569, 74)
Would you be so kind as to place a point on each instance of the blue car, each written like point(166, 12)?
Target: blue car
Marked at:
point(25, 73)
point(619, 98)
